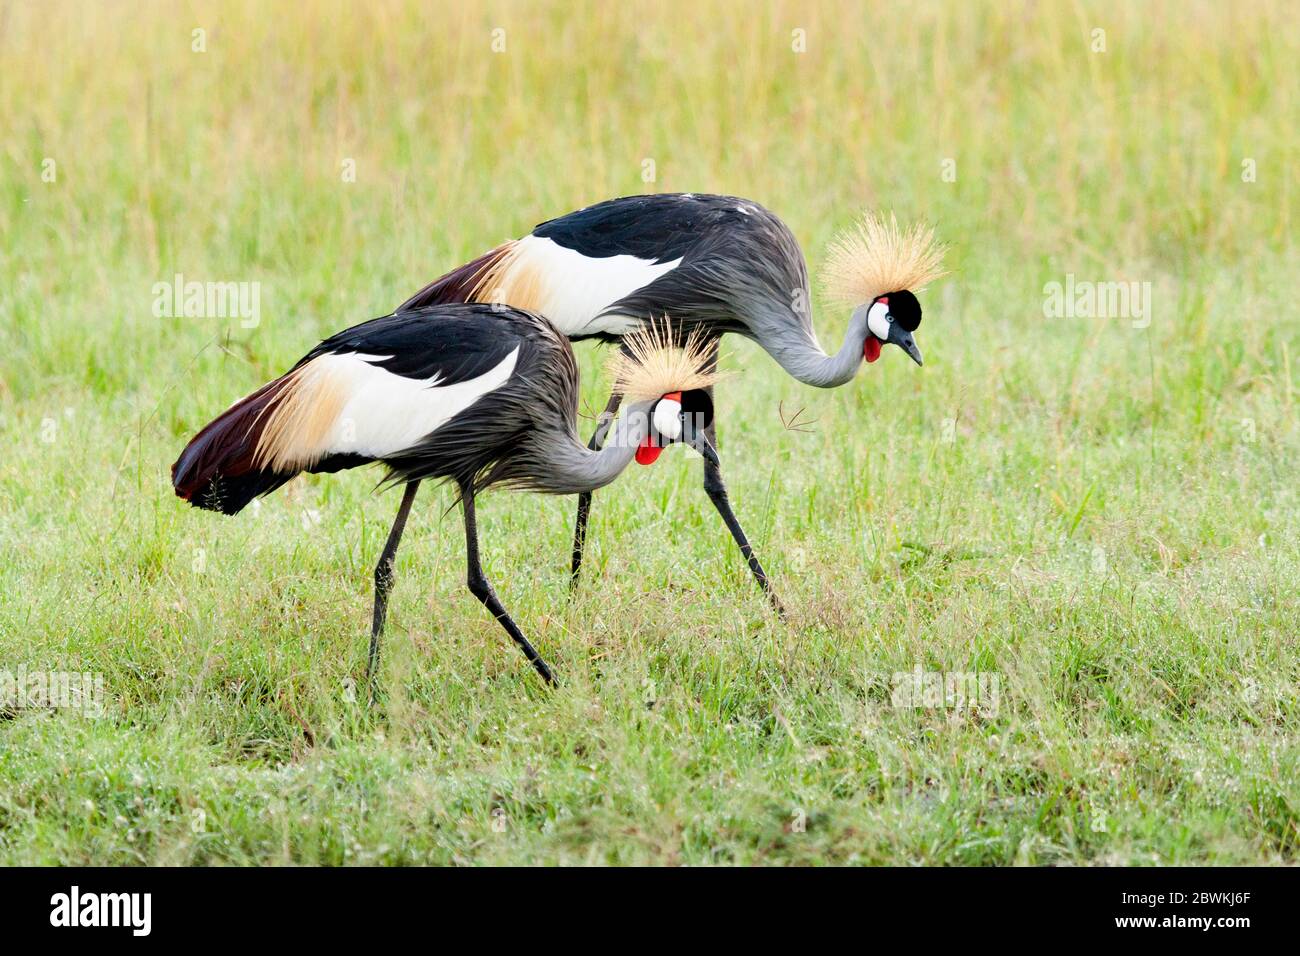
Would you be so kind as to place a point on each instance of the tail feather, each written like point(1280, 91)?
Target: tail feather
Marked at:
point(459, 285)
point(218, 469)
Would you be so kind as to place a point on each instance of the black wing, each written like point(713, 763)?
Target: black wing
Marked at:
point(657, 228)
point(455, 342)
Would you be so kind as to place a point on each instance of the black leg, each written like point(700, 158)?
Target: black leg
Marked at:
point(584, 499)
point(481, 589)
point(384, 581)
point(716, 489)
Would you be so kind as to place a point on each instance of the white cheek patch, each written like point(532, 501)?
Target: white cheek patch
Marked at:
point(878, 321)
point(667, 419)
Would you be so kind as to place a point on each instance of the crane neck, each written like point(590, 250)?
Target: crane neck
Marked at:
point(803, 357)
point(573, 468)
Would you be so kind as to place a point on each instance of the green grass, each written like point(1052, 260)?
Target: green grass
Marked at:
point(1112, 529)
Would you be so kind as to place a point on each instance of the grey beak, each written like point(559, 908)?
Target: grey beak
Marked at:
point(903, 339)
point(700, 442)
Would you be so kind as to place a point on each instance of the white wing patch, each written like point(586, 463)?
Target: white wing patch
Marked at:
point(341, 403)
point(577, 288)
point(386, 413)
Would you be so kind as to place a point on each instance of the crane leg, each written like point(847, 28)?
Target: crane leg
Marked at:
point(716, 489)
point(482, 589)
point(384, 582)
point(584, 499)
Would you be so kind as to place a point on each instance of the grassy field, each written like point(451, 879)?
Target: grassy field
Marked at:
point(1100, 514)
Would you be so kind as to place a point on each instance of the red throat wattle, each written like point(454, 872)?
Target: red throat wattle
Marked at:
point(648, 452)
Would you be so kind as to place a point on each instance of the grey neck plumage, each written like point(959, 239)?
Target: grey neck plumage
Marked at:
point(797, 351)
point(573, 469)
point(790, 339)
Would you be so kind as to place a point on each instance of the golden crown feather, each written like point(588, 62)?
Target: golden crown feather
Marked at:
point(876, 256)
point(652, 364)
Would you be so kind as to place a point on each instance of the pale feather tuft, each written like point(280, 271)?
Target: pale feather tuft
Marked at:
point(651, 365)
point(300, 419)
point(876, 256)
point(512, 278)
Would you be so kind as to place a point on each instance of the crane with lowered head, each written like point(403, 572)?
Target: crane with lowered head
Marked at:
point(716, 264)
point(472, 394)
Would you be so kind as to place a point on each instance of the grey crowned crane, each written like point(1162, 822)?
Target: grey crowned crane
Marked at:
point(716, 264)
point(472, 394)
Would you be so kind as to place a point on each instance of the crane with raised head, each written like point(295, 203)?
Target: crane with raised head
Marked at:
point(716, 264)
point(475, 395)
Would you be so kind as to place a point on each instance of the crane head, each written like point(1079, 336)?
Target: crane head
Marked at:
point(892, 318)
point(679, 417)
